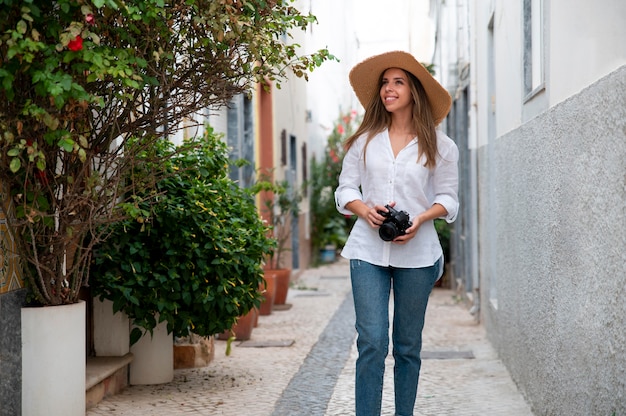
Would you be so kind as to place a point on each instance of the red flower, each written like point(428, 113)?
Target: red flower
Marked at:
point(340, 129)
point(333, 156)
point(76, 44)
point(42, 177)
point(90, 19)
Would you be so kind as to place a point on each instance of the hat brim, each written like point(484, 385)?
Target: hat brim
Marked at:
point(365, 76)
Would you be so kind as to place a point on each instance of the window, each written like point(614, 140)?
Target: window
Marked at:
point(240, 139)
point(533, 47)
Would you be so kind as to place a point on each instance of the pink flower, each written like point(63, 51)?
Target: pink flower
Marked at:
point(90, 19)
point(76, 44)
point(340, 129)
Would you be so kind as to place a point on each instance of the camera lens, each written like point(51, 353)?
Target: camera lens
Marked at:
point(388, 231)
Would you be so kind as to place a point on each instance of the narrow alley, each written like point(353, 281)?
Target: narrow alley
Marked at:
point(300, 361)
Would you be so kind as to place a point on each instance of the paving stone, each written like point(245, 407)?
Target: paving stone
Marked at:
point(446, 355)
point(267, 344)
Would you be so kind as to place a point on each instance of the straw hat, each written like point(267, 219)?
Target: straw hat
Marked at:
point(365, 76)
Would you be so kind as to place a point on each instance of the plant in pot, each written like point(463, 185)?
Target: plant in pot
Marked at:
point(85, 86)
point(280, 207)
point(328, 226)
point(444, 231)
point(334, 234)
point(60, 169)
point(196, 261)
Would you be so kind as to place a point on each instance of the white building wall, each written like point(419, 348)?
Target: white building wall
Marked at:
point(328, 90)
point(507, 27)
point(587, 40)
point(481, 18)
point(550, 179)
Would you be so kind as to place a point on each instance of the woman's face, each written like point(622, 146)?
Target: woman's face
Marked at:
point(395, 91)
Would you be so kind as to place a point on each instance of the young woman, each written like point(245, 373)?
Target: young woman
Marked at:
point(400, 173)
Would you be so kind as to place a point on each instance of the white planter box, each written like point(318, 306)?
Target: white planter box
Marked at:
point(153, 361)
point(53, 360)
point(111, 331)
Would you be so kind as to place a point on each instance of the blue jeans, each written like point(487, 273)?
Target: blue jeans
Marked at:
point(371, 287)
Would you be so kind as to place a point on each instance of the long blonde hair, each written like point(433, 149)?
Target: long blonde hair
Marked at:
point(377, 119)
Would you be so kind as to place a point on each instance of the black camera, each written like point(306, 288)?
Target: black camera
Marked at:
point(395, 223)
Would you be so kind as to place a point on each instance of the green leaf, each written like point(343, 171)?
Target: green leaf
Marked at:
point(15, 165)
point(21, 27)
point(135, 335)
point(66, 144)
point(187, 298)
point(43, 203)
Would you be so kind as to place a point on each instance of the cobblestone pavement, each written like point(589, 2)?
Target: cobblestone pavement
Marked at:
point(314, 374)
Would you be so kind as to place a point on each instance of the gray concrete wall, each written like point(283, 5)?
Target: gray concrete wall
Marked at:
point(11, 352)
point(556, 205)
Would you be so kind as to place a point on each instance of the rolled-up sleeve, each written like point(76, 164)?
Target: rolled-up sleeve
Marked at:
point(349, 180)
point(446, 180)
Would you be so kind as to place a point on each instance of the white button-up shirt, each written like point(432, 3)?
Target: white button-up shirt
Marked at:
point(405, 180)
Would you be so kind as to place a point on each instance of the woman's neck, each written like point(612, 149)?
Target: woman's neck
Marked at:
point(401, 124)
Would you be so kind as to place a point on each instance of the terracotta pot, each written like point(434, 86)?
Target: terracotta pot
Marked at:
point(193, 351)
point(282, 284)
point(269, 293)
point(243, 328)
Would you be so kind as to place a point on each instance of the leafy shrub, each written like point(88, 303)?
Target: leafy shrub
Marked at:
point(81, 79)
point(328, 225)
point(196, 262)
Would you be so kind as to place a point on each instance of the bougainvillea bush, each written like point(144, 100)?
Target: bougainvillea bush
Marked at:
point(86, 89)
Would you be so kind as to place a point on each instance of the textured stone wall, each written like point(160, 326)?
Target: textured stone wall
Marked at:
point(556, 207)
point(11, 353)
point(11, 300)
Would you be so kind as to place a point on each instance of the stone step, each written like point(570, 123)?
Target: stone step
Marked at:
point(105, 377)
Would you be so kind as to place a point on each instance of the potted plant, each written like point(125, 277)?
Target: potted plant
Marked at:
point(196, 261)
point(82, 91)
point(443, 232)
point(84, 88)
point(334, 234)
point(280, 207)
point(54, 152)
point(329, 227)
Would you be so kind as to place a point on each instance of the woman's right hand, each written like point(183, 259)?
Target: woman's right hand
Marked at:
point(374, 219)
point(370, 214)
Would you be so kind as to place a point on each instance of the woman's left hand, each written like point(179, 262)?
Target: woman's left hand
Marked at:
point(436, 211)
point(410, 232)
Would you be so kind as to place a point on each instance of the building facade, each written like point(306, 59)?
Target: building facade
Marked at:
point(540, 114)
